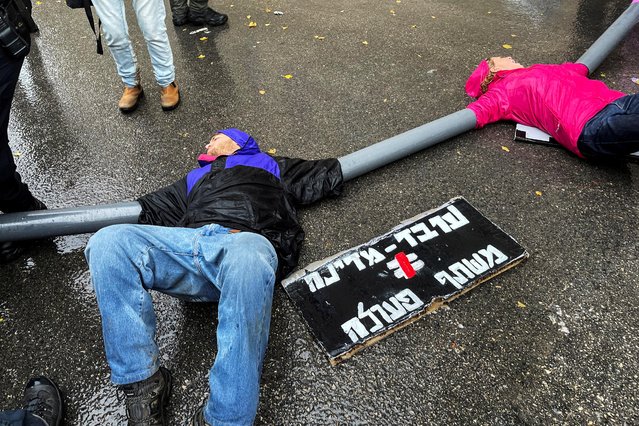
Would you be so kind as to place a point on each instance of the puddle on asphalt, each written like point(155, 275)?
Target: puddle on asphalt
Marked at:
point(71, 243)
point(102, 407)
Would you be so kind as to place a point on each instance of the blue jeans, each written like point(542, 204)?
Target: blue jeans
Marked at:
point(150, 14)
point(613, 131)
point(20, 418)
point(207, 264)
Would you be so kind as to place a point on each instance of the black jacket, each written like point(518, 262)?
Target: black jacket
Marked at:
point(249, 199)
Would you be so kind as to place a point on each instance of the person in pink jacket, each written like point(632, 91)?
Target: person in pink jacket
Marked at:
point(583, 115)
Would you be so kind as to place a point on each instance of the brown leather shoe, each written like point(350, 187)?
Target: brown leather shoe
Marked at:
point(170, 97)
point(130, 98)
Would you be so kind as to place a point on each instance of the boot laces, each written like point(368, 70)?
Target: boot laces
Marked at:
point(39, 406)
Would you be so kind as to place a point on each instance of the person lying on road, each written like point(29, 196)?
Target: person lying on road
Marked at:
point(224, 233)
point(583, 115)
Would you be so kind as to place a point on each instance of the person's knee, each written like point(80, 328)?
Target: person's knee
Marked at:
point(257, 249)
point(116, 38)
point(108, 240)
point(154, 33)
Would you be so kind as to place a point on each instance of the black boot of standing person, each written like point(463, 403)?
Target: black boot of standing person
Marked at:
point(195, 12)
point(42, 403)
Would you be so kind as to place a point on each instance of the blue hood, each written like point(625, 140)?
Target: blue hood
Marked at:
point(248, 155)
point(247, 144)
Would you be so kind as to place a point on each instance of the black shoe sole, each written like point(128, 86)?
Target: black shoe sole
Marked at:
point(216, 23)
point(135, 106)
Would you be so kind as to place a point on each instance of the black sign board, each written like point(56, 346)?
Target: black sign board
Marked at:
point(355, 298)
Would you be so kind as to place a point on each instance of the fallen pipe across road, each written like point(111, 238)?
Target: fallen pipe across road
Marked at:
point(39, 224)
point(79, 220)
point(601, 48)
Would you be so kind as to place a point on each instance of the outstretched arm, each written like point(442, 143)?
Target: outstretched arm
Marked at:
point(309, 181)
point(490, 107)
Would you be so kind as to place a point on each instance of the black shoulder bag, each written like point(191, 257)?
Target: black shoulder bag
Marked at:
point(86, 5)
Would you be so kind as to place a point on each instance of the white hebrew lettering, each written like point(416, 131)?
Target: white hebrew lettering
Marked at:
point(354, 258)
point(333, 278)
point(381, 312)
point(355, 329)
point(409, 300)
point(372, 255)
point(361, 313)
point(418, 265)
point(490, 253)
point(455, 218)
point(338, 264)
point(428, 234)
point(477, 265)
point(314, 281)
point(468, 269)
point(390, 248)
point(396, 310)
point(457, 268)
point(406, 235)
point(403, 302)
point(438, 221)
point(393, 265)
point(443, 277)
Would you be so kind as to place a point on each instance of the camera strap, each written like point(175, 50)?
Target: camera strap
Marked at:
point(98, 34)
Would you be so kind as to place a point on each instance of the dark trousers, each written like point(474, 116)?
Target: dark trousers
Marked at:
point(613, 131)
point(19, 418)
point(14, 195)
point(179, 8)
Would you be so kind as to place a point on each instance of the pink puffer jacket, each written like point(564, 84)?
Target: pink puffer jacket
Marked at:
point(558, 99)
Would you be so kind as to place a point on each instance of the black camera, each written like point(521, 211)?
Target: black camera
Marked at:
point(10, 39)
point(14, 21)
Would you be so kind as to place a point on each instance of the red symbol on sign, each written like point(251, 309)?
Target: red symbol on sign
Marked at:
point(404, 263)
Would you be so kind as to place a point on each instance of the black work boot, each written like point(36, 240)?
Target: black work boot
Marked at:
point(198, 417)
point(146, 400)
point(209, 17)
point(42, 399)
point(11, 250)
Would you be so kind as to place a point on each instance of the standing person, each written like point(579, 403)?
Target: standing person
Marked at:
point(223, 233)
point(150, 16)
point(15, 42)
point(195, 12)
point(583, 115)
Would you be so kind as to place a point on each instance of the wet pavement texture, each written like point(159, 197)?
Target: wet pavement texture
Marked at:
point(568, 357)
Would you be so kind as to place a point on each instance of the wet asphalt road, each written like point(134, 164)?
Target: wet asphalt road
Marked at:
point(568, 357)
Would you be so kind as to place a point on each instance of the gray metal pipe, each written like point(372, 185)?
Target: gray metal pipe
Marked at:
point(39, 224)
point(601, 48)
point(375, 156)
point(49, 223)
